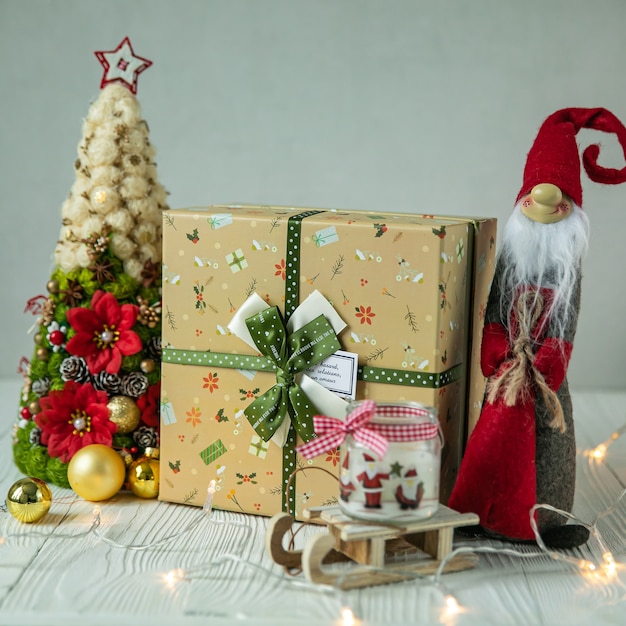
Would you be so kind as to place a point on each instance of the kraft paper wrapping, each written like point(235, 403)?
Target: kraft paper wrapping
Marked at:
point(411, 289)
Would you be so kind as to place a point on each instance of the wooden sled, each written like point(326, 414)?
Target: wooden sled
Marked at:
point(425, 543)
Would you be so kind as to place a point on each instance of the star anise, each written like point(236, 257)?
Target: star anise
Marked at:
point(150, 272)
point(102, 271)
point(73, 294)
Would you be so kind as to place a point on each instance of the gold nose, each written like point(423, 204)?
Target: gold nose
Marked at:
point(546, 194)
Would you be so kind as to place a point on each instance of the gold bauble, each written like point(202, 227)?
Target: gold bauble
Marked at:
point(53, 286)
point(29, 499)
point(34, 407)
point(147, 366)
point(38, 338)
point(124, 412)
point(96, 472)
point(41, 354)
point(144, 474)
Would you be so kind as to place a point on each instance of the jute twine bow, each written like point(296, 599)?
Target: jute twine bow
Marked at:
point(513, 381)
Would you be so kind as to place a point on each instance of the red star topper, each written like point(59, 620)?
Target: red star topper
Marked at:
point(122, 65)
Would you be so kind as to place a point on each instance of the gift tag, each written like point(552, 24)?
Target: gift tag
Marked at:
point(337, 373)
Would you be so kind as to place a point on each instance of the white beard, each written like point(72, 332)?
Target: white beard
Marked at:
point(543, 255)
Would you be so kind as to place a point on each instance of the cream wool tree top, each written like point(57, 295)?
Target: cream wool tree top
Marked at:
point(116, 188)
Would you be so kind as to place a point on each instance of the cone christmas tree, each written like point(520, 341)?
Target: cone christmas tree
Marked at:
point(95, 371)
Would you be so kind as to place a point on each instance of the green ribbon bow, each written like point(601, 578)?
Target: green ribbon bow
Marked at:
point(291, 354)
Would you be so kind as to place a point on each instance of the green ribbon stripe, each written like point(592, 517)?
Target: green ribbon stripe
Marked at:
point(366, 373)
point(426, 380)
point(292, 261)
point(217, 359)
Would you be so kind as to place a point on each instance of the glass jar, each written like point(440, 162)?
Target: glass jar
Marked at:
point(403, 484)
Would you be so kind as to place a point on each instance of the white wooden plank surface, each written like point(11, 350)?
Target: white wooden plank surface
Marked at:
point(57, 573)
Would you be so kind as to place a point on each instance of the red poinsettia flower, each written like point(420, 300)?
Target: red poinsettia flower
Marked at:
point(72, 418)
point(103, 332)
point(148, 404)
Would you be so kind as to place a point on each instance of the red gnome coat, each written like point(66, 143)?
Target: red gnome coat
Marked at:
point(522, 451)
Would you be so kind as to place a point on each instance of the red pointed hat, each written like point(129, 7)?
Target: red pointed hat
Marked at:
point(554, 157)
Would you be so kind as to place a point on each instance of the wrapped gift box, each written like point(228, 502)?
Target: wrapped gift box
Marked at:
point(410, 289)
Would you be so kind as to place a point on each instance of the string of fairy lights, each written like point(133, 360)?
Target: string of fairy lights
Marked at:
point(605, 571)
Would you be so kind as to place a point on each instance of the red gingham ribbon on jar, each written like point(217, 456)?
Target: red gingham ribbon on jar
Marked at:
point(331, 432)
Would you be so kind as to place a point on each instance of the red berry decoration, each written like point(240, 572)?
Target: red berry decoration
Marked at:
point(57, 337)
point(25, 413)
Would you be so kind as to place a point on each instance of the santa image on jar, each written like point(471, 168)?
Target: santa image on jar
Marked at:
point(346, 486)
point(410, 491)
point(371, 478)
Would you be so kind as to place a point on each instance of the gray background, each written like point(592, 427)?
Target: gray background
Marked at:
point(425, 107)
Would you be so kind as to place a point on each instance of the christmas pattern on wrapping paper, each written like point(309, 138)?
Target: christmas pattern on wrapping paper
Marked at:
point(355, 283)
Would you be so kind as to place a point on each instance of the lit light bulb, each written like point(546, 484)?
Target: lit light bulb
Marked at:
point(172, 577)
point(609, 567)
point(210, 492)
point(588, 571)
point(347, 617)
point(599, 452)
point(452, 606)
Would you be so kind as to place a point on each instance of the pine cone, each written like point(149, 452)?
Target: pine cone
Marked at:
point(74, 368)
point(40, 387)
point(146, 437)
point(34, 437)
point(134, 384)
point(111, 383)
point(153, 349)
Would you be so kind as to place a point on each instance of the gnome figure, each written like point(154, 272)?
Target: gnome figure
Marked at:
point(522, 451)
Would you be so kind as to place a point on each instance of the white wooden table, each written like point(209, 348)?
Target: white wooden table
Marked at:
point(57, 573)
